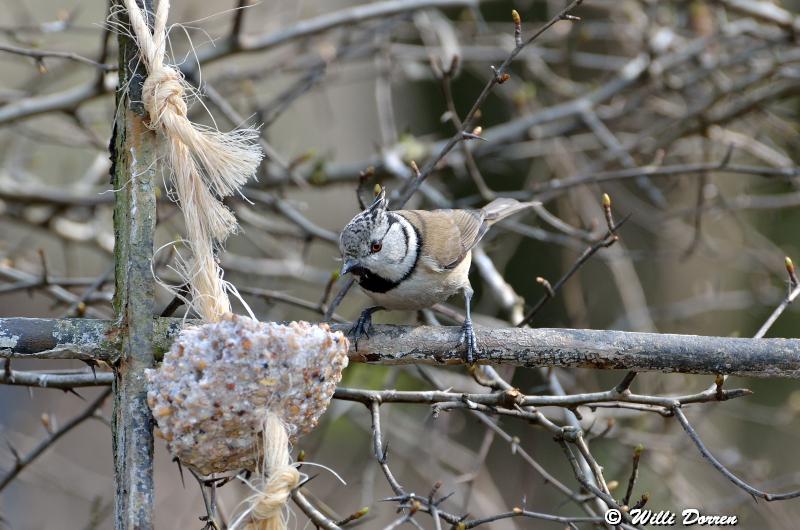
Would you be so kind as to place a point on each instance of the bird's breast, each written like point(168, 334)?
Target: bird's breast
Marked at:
point(426, 287)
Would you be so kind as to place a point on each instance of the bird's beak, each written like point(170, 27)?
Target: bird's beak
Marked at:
point(349, 265)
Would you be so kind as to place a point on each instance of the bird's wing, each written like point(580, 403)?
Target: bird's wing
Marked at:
point(448, 235)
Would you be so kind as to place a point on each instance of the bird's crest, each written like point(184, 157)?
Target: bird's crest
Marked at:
point(357, 235)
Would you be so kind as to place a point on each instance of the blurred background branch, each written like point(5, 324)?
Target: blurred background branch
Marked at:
point(684, 113)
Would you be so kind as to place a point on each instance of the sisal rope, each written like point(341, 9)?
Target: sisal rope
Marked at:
point(207, 165)
point(267, 506)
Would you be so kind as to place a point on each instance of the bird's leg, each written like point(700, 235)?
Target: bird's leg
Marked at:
point(363, 325)
point(467, 333)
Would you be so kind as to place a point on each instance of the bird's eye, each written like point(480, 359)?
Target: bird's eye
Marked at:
point(376, 247)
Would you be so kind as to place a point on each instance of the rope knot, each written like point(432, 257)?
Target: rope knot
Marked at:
point(162, 95)
point(276, 490)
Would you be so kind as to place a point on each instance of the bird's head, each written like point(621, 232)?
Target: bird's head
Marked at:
point(368, 243)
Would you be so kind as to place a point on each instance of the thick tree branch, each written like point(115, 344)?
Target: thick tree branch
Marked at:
point(395, 345)
point(62, 381)
point(134, 160)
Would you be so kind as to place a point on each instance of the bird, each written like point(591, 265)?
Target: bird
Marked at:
point(414, 259)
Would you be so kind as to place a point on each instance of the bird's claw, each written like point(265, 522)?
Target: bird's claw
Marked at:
point(469, 341)
point(361, 328)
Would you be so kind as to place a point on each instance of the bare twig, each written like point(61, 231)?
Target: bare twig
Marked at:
point(664, 171)
point(604, 242)
point(778, 312)
point(316, 516)
point(724, 470)
point(499, 76)
point(514, 399)
point(22, 462)
point(39, 55)
point(637, 455)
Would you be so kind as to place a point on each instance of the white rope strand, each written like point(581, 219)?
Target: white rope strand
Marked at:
point(206, 165)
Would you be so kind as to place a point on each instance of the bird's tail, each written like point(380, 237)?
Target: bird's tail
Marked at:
point(501, 208)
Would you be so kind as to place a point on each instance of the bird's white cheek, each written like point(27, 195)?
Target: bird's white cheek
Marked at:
point(380, 264)
point(393, 254)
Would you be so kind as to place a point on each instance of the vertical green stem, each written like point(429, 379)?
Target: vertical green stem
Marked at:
point(133, 152)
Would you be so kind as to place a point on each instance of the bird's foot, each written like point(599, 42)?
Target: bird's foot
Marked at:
point(362, 326)
point(469, 341)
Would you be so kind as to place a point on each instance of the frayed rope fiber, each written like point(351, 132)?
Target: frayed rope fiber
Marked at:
point(206, 165)
point(267, 506)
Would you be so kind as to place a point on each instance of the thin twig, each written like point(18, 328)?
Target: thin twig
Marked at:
point(793, 294)
point(607, 240)
point(21, 462)
point(499, 76)
point(316, 516)
point(724, 470)
point(637, 455)
point(39, 55)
